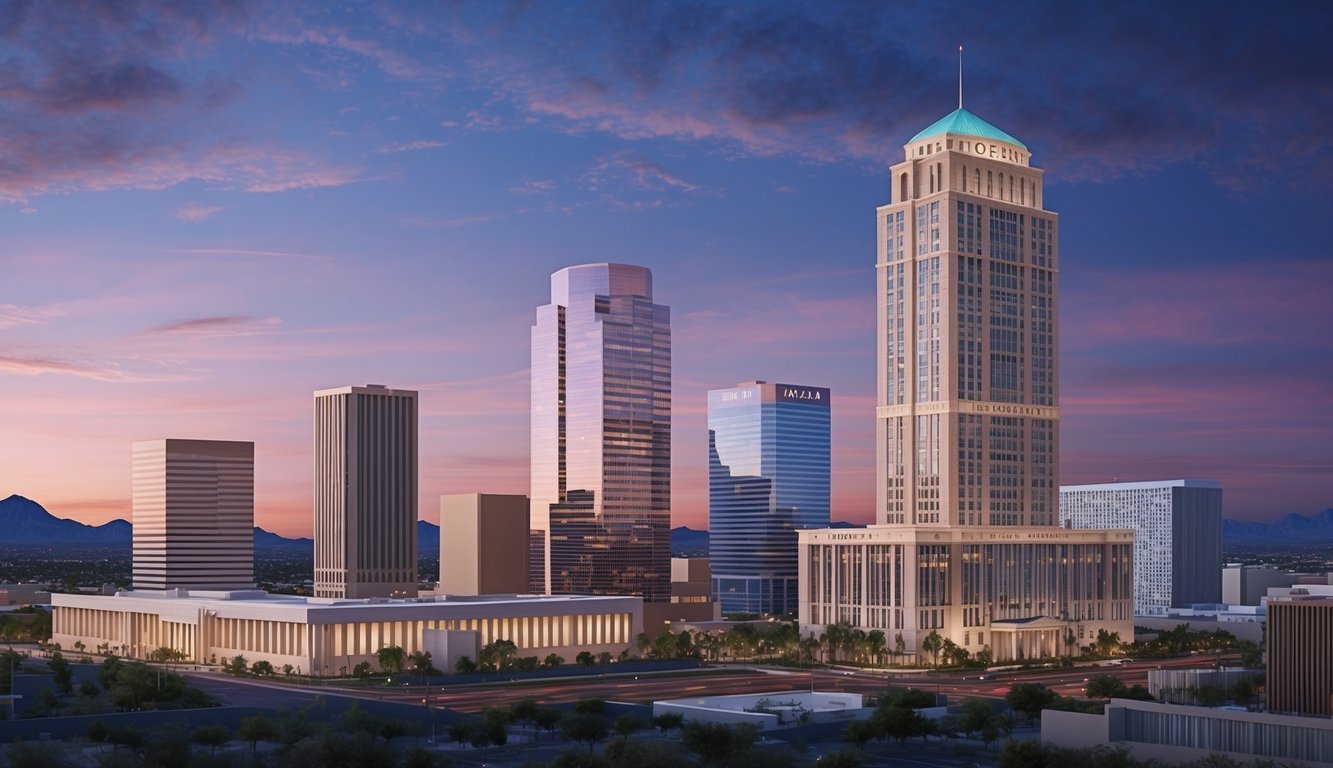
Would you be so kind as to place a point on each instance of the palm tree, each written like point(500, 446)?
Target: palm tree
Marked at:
point(932, 645)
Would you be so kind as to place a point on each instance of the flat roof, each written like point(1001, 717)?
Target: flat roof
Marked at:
point(1143, 485)
point(186, 605)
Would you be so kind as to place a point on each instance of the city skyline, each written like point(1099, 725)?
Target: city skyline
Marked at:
point(275, 202)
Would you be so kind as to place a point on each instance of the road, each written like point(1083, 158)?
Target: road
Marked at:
point(646, 688)
point(713, 682)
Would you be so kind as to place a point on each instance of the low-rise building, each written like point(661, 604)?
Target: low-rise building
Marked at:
point(24, 594)
point(483, 544)
point(766, 711)
point(329, 636)
point(1173, 733)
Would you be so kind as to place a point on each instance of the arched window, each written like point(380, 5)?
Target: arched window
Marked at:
point(990, 184)
point(1002, 186)
point(976, 186)
point(932, 179)
point(939, 174)
point(902, 187)
point(1011, 187)
point(965, 178)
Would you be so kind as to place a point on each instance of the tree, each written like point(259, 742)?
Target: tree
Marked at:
point(1029, 699)
point(460, 731)
point(553, 660)
point(497, 655)
point(363, 670)
point(64, 675)
point(262, 668)
point(1106, 687)
point(975, 714)
point(875, 643)
point(627, 725)
point(391, 728)
point(1022, 754)
point(715, 743)
point(421, 664)
point(1107, 643)
point(211, 736)
point(668, 721)
point(547, 718)
point(255, 729)
point(234, 666)
point(898, 722)
point(584, 727)
point(899, 646)
point(590, 706)
point(954, 654)
point(465, 665)
point(391, 659)
point(860, 732)
point(585, 659)
point(525, 710)
point(932, 645)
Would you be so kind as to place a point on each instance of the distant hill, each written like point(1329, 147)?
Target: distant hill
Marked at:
point(25, 522)
point(428, 537)
point(1307, 529)
point(687, 542)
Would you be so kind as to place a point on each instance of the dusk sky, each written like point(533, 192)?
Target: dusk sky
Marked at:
point(209, 211)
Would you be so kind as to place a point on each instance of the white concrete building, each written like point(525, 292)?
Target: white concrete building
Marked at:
point(1177, 528)
point(194, 514)
point(322, 636)
point(365, 492)
point(769, 710)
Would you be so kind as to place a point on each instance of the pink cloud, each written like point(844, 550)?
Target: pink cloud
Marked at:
point(197, 212)
point(411, 146)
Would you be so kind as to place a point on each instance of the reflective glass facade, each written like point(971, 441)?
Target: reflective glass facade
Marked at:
point(601, 435)
point(768, 475)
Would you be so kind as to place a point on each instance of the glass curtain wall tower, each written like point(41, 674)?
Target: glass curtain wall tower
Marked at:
point(967, 547)
point(601, 435)
point(768, 475)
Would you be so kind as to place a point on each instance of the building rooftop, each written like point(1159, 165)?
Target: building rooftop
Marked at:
point(1143, 485)
point(960, 122)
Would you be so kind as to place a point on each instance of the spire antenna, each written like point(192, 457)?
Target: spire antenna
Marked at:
point(960, 77)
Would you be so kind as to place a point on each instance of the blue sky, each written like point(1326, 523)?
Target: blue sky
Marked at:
point(210, 210)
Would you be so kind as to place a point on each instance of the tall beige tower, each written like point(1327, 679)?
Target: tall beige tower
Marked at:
point(365, 492)
point(194, 514)
point(967, 546)
point(483, 544)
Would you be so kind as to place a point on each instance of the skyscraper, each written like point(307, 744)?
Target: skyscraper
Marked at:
point(768, 475)
point(601, 434)
point(1177, 528)
point(194, 514)
point(365, 492)
point(967, 546)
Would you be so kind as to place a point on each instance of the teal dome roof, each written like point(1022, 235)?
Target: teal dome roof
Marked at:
point(962, 122)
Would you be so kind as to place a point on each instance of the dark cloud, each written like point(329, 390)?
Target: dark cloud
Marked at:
point(97, 96)
point(1101, 90)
